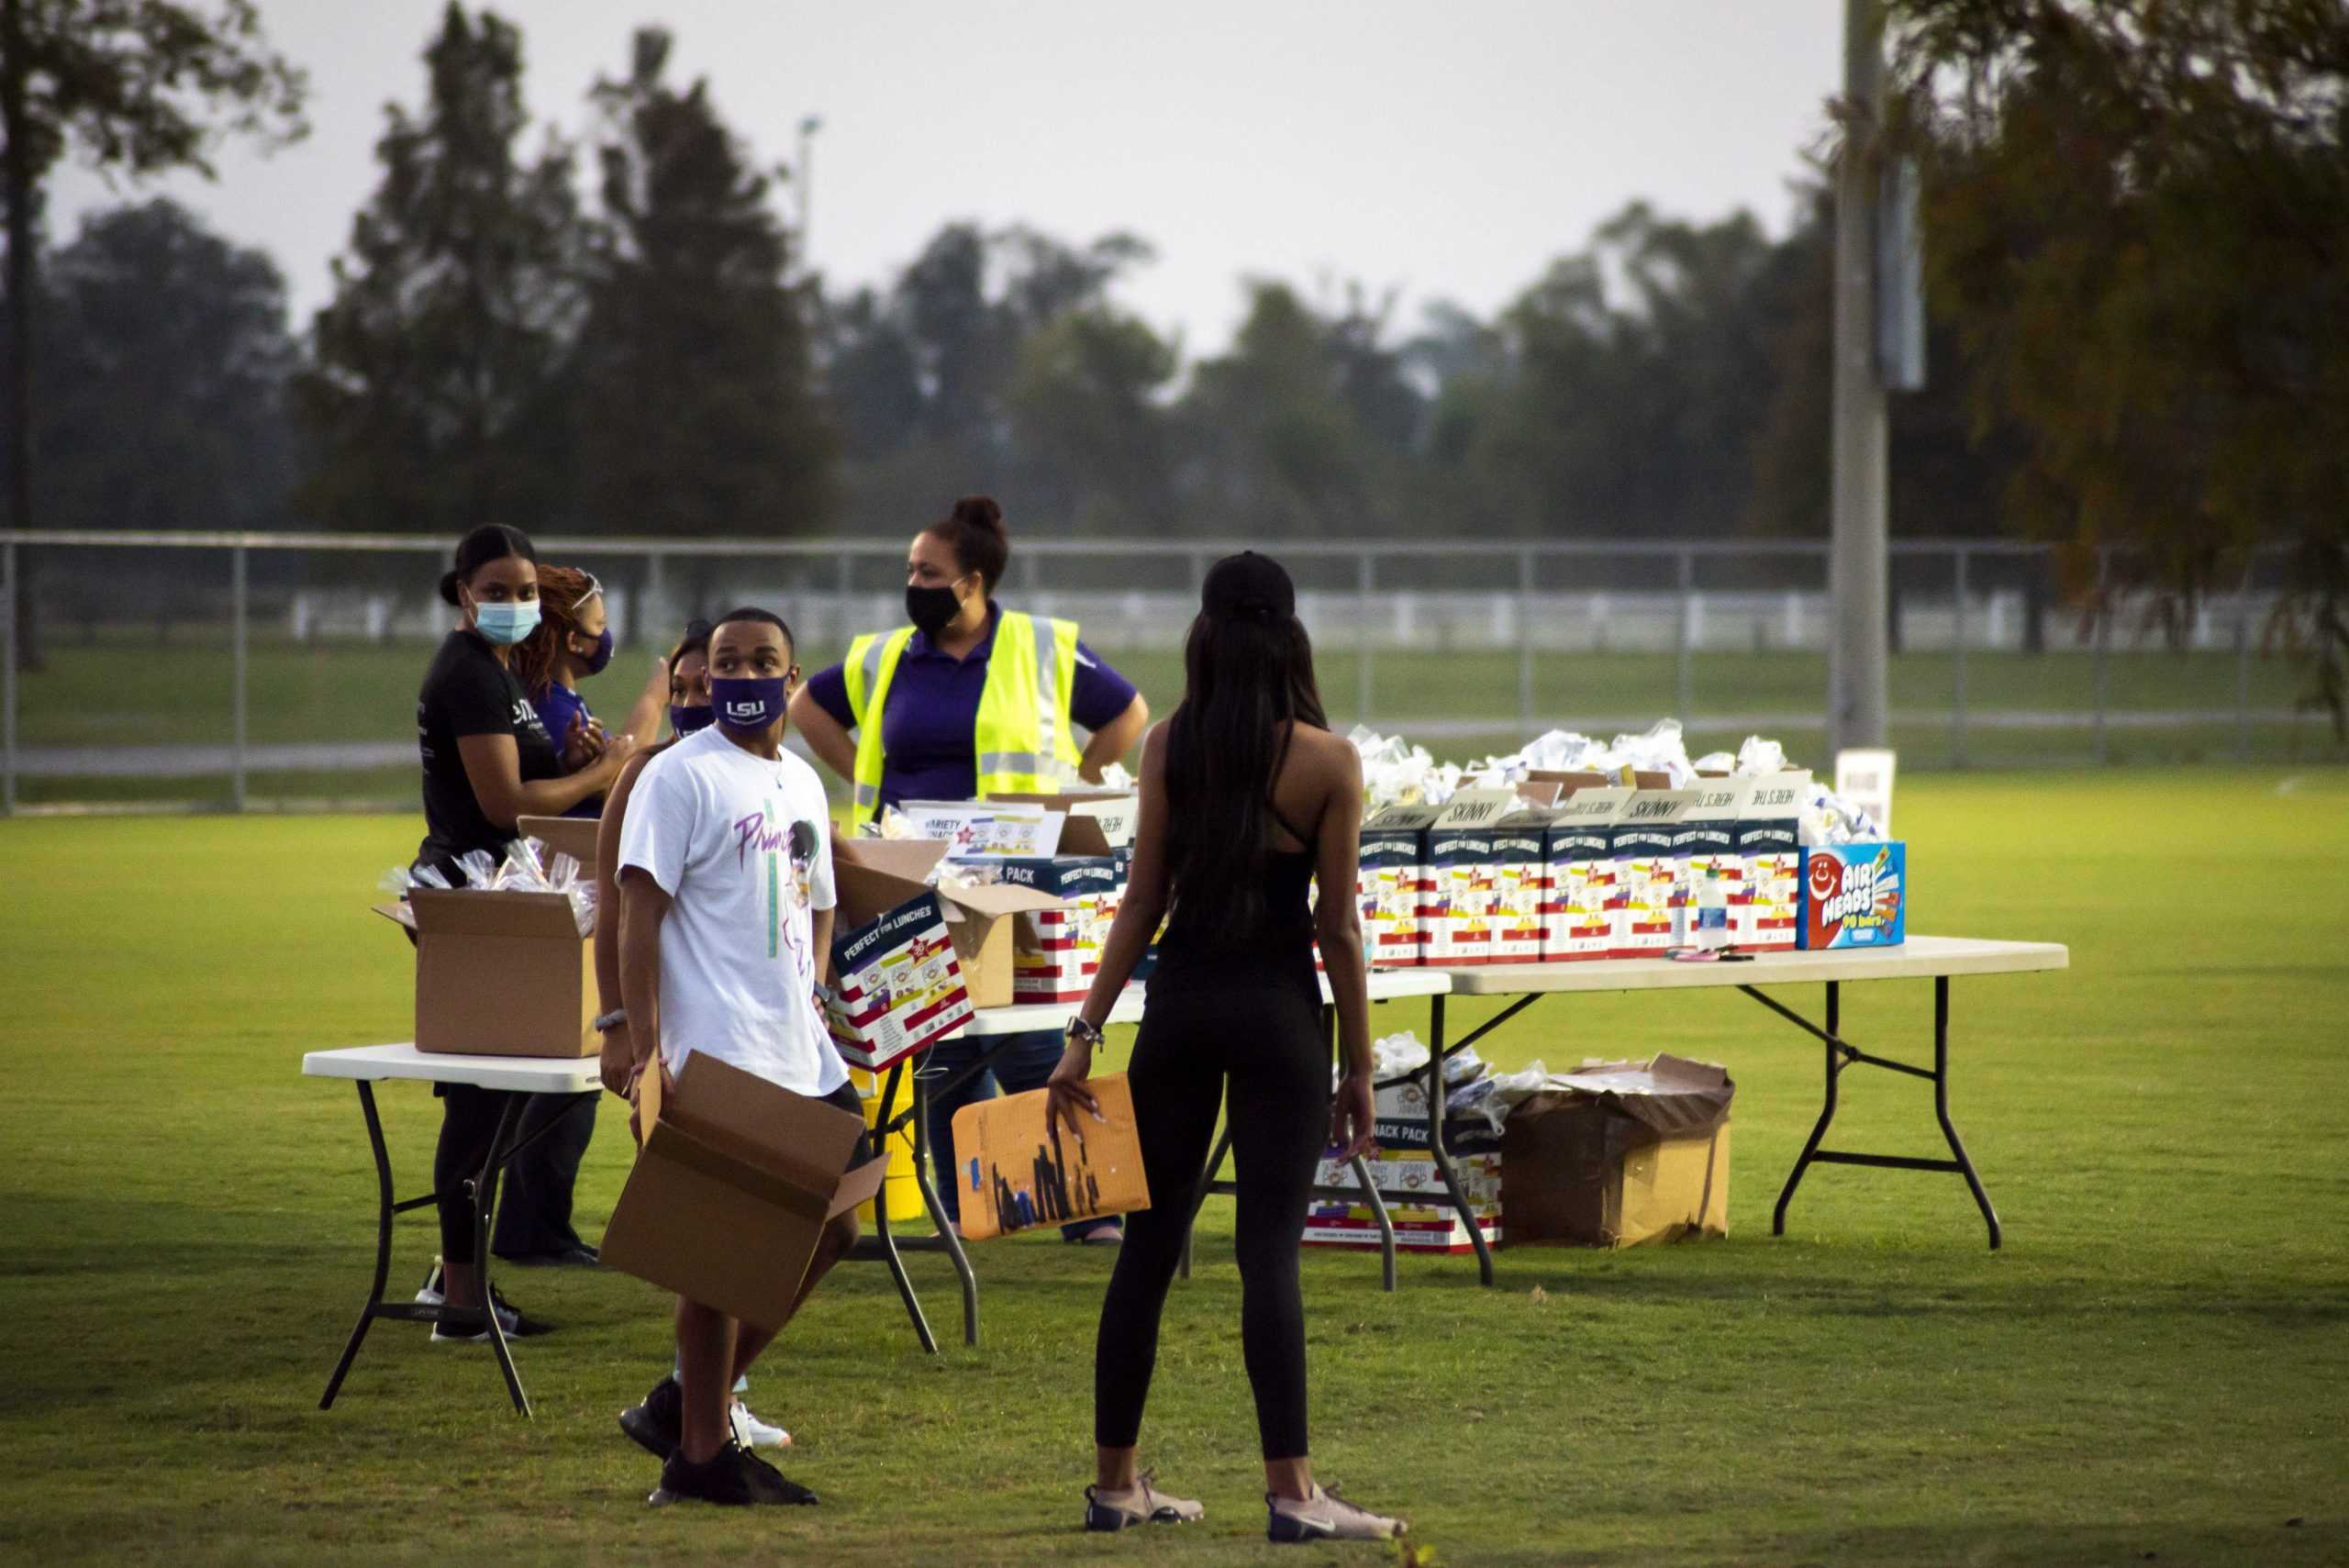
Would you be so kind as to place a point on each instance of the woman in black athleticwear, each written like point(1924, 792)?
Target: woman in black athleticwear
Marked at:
point(1246, 799)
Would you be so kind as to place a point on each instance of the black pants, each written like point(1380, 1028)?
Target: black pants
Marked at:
point(469, 1118)
point(534, 1211)
point(1266, 1045)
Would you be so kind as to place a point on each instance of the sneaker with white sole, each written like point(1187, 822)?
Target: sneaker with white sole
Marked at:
point(1326, 1516)
point(1141, 1504)
point(752, 1432)
point(464, 1328)
point(431, 1291)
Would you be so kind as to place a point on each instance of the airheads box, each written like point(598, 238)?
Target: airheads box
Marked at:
point(1706, 844)
point(1521, 883)
point(1647, 871)
point(1856, 896)
point(1394, 884)
point(1464, 867)
point(1056, 951)
point(1767, 908)
point(1580, 919)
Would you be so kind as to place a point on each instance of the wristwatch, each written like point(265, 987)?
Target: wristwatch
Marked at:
point(1089, 1033)
point(607, 1022)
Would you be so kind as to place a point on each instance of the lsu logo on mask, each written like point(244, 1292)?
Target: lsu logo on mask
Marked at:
point(752, 712)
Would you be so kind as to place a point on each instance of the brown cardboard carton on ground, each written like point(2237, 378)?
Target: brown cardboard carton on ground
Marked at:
point(875, 876)
point(1100, 822)
point(1624, 1153)
point(502, 974)
point(572, 835)
point(735, 1180)
point(1019, 1169)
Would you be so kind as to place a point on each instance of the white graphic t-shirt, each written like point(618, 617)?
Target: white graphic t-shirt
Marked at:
point(742, 847)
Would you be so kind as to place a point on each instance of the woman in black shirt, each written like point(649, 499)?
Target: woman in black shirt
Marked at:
point(488, 762)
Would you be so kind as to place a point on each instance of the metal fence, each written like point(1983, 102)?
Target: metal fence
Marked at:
point(249, 670)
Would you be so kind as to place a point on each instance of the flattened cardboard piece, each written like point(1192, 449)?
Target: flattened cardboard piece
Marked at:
point(1019, 1169)
point(502, 974)
point(572, 835)
point(730, 1190)
point(1538, 794)
point(1640, 1154)
point(1099, 823)
point(1569, 783)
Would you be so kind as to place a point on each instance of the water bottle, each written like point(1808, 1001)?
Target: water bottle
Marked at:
point(1712, 912)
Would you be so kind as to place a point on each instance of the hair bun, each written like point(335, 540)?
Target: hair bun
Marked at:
point(449, 586)
point(979, 512)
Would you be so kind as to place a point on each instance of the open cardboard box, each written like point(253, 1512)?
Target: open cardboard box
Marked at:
point(1622, 1153)
point(1019, 1169)
point(501, 974)
point(1099, 822)
point(572, 835)
point(734, 1182)
point(894, 984)
point(874, 875)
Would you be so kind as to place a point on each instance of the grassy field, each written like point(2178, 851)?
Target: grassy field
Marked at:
point(119, 693)
point(2150, 1371)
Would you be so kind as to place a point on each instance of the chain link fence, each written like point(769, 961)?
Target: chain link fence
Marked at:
point(162, 671)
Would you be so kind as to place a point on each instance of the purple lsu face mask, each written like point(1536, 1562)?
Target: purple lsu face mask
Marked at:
point(602, 657)
point(749, 702)
point(687, 721)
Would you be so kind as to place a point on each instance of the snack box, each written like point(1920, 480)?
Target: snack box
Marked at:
point(1521, 883)
point(1706, 842)
point(1856, 896)
point(1580, 910)
point(1395, 883)
point(1056, 951)
point(1647, 871)
point(1465, 862)
point(1766, 910)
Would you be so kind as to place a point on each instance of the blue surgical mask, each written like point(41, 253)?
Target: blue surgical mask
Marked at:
point(602, 655)
point(687, 721)
point(748, 704)
point(507, 621)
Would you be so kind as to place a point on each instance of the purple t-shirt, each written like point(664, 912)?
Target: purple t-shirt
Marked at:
point(933, 709)
point(558, 705)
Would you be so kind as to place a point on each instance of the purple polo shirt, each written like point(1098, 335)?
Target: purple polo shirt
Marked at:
point(933, 709)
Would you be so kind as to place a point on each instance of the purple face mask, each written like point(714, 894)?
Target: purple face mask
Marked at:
point(602, 655)
point(747, 703)
point(687, 721)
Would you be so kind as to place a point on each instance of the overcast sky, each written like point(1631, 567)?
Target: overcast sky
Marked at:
point(1449, 151)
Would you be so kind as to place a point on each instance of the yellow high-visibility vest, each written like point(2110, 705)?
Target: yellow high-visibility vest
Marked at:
point(1023, 725)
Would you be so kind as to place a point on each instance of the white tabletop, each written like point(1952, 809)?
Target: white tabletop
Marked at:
point(1386, 986)
point(531, 1074)
point(1919, 957)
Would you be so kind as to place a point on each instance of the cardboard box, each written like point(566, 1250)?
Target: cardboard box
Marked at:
point(1098, 824)
point(1765, 913)
point(1409, 1179)
point(572, 835)
point(1463, 863)
point(979, 916)
point(974, 828)
point(1395, 881)
point(1581, 910)
point(1019, 1169)
point(1056, 950)
point(1631, 1152)
point(1647, 871)
point(896, 985)
point(1856, 896)
point(1399, 1117)
point(502, 974)
point(1706, 845)
point(1521, 883)
point(735, 1179)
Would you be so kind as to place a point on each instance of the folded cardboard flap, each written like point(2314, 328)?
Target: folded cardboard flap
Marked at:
point(463, 912)
point(761, 1124)
point(572, 835)
point(1668, 1094)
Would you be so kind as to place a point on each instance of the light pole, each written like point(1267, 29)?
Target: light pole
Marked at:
point(808, 126)
point(1857, 566)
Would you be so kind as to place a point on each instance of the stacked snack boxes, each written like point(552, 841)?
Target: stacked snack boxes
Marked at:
point(1706, 844)
point(1464, 864)
point(1396, 884)
point(1580, 914)
point(1405, 1177)
point(1521, 883)
point(1647, 871)
point(1856, 896)
point(1056, 952)
point(1765, 911)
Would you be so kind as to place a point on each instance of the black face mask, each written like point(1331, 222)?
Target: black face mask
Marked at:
point(931, 609)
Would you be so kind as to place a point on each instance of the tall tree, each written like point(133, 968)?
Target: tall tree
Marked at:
point(2139, 212)
point(140, 87)
point(701, 414)
point(437, 397)
point(169, 356)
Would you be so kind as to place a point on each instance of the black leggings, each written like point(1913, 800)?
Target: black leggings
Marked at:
point(1269, 1044)
point(469, 1117)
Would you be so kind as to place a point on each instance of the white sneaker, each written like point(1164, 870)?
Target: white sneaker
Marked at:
point(1143, 1503)
point(752, 1432)
point(1326, 1517)
point(429, 1293)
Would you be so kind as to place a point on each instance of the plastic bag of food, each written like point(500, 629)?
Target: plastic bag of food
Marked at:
point(1660, 750)
point(1759, 756)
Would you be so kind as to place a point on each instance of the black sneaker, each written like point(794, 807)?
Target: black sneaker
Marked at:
point(733, 1478)
point(470, 1329)
point(658, 1425)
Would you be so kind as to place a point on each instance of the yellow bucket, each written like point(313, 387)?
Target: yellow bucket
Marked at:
point(906, 1207)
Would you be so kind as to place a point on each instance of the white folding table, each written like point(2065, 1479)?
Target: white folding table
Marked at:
point(1938, 959)
point(372, 1064)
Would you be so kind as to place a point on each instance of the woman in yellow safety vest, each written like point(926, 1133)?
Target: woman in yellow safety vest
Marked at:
point(971, 699)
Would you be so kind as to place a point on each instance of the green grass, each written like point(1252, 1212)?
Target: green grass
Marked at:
point(2151, 1369)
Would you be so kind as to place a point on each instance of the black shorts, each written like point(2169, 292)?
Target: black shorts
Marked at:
point(846, 1098)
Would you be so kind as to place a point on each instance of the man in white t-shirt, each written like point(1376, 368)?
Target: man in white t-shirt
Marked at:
point(726, 909)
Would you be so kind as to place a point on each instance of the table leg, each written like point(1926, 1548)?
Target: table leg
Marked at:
point(1827, 1111)
point(1200, 1193)
point(946, 1236)
point(485, 1211)
point(1385, 1224)
point(1941, 1108)
point(1442, 1156)
point(383, 1243)
point(881, 1210)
